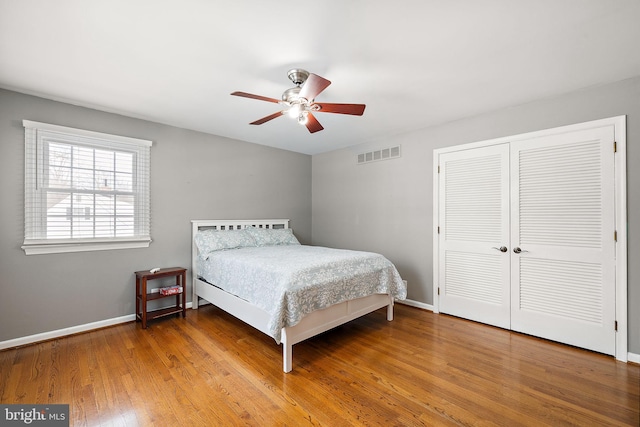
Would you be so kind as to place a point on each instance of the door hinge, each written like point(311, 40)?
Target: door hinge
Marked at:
point(438, 229)
point(438, 290)
point(616, 325)
point(438, 168)
point(615, 235)
point(615, 147)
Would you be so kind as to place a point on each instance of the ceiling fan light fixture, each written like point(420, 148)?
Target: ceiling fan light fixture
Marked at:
point(295, 111)
point(303, 118)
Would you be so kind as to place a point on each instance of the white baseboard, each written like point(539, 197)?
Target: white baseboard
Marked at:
point(413, 303)
point(632, 357)
point(66, 331)
point(31, 339)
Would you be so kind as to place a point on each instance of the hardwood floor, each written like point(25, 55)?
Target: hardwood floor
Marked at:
point(421, 369)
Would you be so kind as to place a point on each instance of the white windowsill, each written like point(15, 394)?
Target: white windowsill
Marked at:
point(40, 247)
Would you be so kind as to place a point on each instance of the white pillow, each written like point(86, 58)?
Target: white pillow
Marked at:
point(273, 236)
point(208, 241)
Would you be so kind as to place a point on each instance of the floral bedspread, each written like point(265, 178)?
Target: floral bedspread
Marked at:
point(291, 281)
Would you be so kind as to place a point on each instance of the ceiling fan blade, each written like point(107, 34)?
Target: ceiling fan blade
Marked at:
point(313, 124)
point(353, 109)
point(313, 86)
point(267, 118)
point(252, 96)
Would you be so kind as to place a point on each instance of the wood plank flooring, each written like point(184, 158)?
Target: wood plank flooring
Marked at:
point(421, 369)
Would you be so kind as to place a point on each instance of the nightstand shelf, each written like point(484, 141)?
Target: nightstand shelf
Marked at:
point(142, 295)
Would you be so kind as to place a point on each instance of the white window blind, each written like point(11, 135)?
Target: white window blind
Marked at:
point(84, 190)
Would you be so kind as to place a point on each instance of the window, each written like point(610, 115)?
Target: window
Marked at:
point(84, 190)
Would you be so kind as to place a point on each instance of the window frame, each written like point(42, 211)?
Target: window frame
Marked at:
point(37, 135)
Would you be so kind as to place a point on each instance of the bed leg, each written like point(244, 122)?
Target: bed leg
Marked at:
point(287, 358)
point(194, 297)
point(287, 354)
point(390, 310)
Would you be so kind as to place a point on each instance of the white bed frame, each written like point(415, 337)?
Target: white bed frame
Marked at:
point(311, 325)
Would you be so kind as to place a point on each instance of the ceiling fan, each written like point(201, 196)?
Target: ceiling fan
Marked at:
point(299, 101)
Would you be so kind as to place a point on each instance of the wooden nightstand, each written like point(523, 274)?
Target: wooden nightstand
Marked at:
point(142, 297)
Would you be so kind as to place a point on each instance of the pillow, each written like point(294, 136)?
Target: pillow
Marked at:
point(273, 236)
point(209, 241)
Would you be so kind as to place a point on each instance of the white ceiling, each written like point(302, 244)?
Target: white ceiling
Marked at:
point(414, 63)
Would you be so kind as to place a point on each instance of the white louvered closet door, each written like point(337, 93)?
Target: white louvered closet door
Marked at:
point(562, 216)
point(474, 211)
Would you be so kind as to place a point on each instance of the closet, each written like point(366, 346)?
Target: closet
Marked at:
point(525, 234)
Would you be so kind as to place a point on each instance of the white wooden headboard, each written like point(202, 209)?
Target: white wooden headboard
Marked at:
point(237, 224)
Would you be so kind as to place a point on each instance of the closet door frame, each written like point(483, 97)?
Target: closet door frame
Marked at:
point(619, 125)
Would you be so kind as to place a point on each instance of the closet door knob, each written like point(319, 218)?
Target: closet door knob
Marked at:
point(518, 250)
point(501, 248)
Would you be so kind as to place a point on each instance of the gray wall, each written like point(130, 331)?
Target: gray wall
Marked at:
point(387, 206)
point(193, 176)
point(384, 206)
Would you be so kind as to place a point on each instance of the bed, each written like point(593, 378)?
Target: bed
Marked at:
point(257, 271)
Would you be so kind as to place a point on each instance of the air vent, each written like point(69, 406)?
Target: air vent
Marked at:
point(377, 155)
